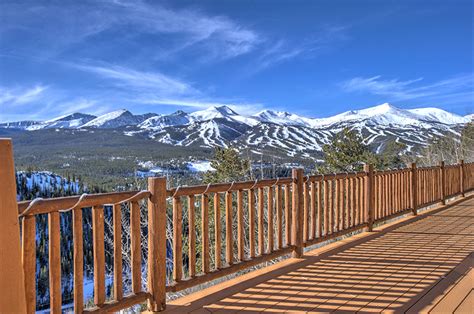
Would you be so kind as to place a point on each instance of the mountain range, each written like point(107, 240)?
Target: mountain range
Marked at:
point(285, 132)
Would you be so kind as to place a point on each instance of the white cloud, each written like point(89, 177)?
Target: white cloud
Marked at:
point(18, 96)
point(281, 50)
point(152, 82)
point(76, 22)
point(454, 89)
point(220, 34)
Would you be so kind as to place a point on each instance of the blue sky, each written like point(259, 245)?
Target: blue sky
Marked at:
point(316, 58)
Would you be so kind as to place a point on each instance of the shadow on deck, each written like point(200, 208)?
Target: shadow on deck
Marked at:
point(417, 264)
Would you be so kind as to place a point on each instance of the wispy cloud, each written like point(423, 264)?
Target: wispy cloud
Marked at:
point(223, 36)
point(19, 96)
point(454, 89)
point(281, 50)
point(155, 82)
point(72, 23)
point(240, 107)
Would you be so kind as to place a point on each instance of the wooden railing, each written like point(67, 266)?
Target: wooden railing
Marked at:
point(54, 207)
point(220, 229)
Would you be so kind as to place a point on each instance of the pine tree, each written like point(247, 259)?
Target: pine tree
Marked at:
point(346, 152)
point(392, 156)
point(228, 165)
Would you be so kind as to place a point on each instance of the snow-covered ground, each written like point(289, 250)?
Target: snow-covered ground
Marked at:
point(45, 181)
point(200, 166)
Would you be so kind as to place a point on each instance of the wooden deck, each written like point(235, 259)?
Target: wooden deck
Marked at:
point(417, 264)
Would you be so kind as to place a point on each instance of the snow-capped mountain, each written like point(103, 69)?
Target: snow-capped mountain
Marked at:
point(159, 122)
point(116, 119)
point(282, 117)
point(283, 131)
point(70, 121)
point(470, 117)
point(439, 115)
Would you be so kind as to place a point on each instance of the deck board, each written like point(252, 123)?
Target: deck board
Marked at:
point(418, 264)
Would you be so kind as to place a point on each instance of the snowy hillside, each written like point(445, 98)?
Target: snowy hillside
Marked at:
point(116, 119)
point(286, 132)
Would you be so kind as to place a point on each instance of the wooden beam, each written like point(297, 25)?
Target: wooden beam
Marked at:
point(12, 296)
point(157, 221)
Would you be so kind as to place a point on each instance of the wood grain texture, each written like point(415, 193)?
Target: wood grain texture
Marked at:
point(28, 258)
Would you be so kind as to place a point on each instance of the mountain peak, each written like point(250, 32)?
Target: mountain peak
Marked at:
point(213, 112)
point(72, 116)
point(226, 110)
point(115, 119)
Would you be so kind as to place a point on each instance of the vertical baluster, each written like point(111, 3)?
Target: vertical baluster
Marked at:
point(357, 201)
point(240, 225)
point(229, 245)
point(251, 199)
point(261, 233)
point(205, 232)
point(305, 211)
point(192, 236)
point(270, 219)
point(345, 213)
point(99, 254)
point(28, 259)
point(387, 194)
point(326, 207)
point(342, 204)
point(362, 208)
point(331, 206)
point(78, 258)
point(297, 207)
point(395, 193)
point(350, 201)
point(117, 230)
point(217, 230)
point(400, 191)
point(136, 249)
point(313, 211)
point(378, 196)
point(177, 239)
point(287, 215)
point(55, 262)
point(320, 209)
point(279, 220)
point(353, 202)
point(422, 193)
point(336, 205)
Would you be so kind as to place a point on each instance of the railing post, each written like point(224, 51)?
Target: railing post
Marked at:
point(461, 177)
point(443, 182)
point(369, 194)
point(297, 213)
point(157, 244)
point(12, 284)
point(414, 189)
